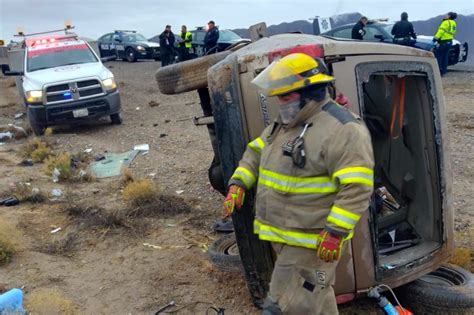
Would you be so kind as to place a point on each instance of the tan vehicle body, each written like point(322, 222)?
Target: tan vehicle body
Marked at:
point(418, 166)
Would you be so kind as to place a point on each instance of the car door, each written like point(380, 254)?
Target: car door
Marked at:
point(104, 45)
point(342, 33)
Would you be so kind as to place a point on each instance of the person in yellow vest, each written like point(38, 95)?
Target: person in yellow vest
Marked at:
point(444, 39)
point(184, 43)
point(313, 171)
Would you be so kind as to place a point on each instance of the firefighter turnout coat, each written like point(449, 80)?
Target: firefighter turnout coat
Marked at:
point(331, 191)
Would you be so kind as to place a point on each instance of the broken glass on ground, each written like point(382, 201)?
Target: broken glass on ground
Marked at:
point(112, 164)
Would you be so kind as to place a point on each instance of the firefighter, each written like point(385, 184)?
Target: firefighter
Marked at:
point(444, 39)
point(313, 170)
point(184, 45)
point(358, 30)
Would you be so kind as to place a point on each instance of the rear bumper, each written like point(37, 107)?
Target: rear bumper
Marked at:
point(63, 113)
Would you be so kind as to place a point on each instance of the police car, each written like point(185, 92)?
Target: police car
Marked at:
point(128, 46)
point(62, 81)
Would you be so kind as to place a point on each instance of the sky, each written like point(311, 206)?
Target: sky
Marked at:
point(93, 18)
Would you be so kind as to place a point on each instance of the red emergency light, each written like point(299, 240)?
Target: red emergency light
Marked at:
point(31, 42)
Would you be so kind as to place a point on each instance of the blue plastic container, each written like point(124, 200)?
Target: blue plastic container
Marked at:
point(12, 301)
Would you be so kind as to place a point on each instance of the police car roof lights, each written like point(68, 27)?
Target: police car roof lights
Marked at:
point(31, 42)
point(65, 30)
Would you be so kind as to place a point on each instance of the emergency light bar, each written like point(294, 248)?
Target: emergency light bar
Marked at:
point(124, 31)
point(49, 40)
point(67, 28)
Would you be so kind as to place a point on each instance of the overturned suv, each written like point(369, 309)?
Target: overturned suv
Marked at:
point(405, 238)
point(62, 81)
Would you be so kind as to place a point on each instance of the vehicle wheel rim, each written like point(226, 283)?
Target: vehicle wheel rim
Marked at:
point(232, 249)
point(130, 55)
point(444, 277)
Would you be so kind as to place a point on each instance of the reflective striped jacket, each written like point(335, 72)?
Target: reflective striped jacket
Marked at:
point(446, 30)
point(332, 190)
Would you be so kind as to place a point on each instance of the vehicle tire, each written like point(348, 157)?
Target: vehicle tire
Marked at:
point(188, 75)
point(447, 290)
point(116, 119)
point(224, 254)
point(130, 53)
point(37, 128)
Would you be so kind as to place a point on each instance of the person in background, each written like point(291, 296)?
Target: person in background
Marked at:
point(403, 31)
point(184, 43)
point(358, 30)
point(211, 38)
point(443, 40)
point(166, 46)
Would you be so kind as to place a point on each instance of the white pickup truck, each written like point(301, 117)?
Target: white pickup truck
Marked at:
point(62, 81)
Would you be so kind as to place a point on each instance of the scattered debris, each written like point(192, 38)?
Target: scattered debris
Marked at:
point(11, 201)
point(19, 116)
point(167, 120)
point(55, 175)
point(155, 125)
point(161, 309)
point(99, 157)
point(26, 162)
point(112, 164)
point(138, 108)
point(5, 136)
point(141, 147)
point(152, 175)
point(55, 194)
point(89, 150)
point(166, 246)
point(162, 135)
point(179, 192)
point(11, 302)
point(56, 230)
point(153, 104)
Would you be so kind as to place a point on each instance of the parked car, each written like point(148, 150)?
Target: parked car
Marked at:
point(62, 81)
point(128, 46)
point(403, 241)
point(381, 32)
point(227, 38)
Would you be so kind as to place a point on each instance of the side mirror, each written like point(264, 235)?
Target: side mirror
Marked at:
point(107, 59)
point(7, 72)
point(379, 36)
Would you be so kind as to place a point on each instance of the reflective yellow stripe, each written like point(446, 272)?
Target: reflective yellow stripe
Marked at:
point(343, 218)
point(296, 185)
point(245, 176)
point(257, 145)
point(355, 175)
point(269, 233)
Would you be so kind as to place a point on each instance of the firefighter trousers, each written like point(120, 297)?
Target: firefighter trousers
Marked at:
point(301, 283)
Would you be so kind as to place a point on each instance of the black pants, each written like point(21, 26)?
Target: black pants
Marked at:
point(165, 58)
point(183, 53)
point(442, 55)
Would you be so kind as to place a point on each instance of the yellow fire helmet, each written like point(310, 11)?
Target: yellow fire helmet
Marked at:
point(291, 73)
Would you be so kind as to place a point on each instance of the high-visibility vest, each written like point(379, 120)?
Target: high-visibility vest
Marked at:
point(187, 39)
point(446, 30)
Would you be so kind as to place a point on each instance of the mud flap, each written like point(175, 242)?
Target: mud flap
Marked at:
point(256, 256)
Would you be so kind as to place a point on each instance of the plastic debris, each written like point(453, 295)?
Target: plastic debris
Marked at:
point(142, 147)
point(28, 162)
point(162, 135)
point(112, 164)
point(179, 192)
point(138, 108)
point(55, 175)
point(19, 116)
point(56, 193)
point(11, 302)
point(89, 150)
point(165, 246)
point(6, 136)
point(9, 201)
point(56, 230)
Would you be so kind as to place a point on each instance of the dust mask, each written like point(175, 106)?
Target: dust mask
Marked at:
point(289, 111)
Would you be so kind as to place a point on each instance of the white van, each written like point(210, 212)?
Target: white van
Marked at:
point(62, 81)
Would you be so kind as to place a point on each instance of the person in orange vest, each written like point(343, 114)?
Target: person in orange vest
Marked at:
point(184, 43)
point(444, 40)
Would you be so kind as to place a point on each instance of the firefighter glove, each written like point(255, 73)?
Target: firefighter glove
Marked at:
point(330, 246)
point(234, 199)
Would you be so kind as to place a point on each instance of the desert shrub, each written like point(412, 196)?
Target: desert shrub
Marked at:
point(49, 301)
point(140, 192)
point(62, 163)
point(10, 239)
point(24, 191)
point(463, 257)
point(36, 150)
point(60, 245)
point(48, 131)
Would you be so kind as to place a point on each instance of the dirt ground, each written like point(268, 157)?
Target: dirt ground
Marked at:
point(108, 270)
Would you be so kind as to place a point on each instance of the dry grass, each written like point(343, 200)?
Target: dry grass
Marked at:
point(463, 257)
point(48, 301)
point(161, 205)
point(25, 192)
point(60, 245)
point(140, 192)
point(92, 216)
point(62, 163)
point(36, 150)
point(48, 132)
point(10, 240)
point(127, 176)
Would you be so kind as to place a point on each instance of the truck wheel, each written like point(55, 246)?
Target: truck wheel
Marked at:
point(130, 55)
point(37, 128)
point(447, 290)
point(116, 119)
point(188, 75)
point(224, 254)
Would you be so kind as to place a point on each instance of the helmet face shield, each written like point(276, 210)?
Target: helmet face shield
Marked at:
point(291, 73)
